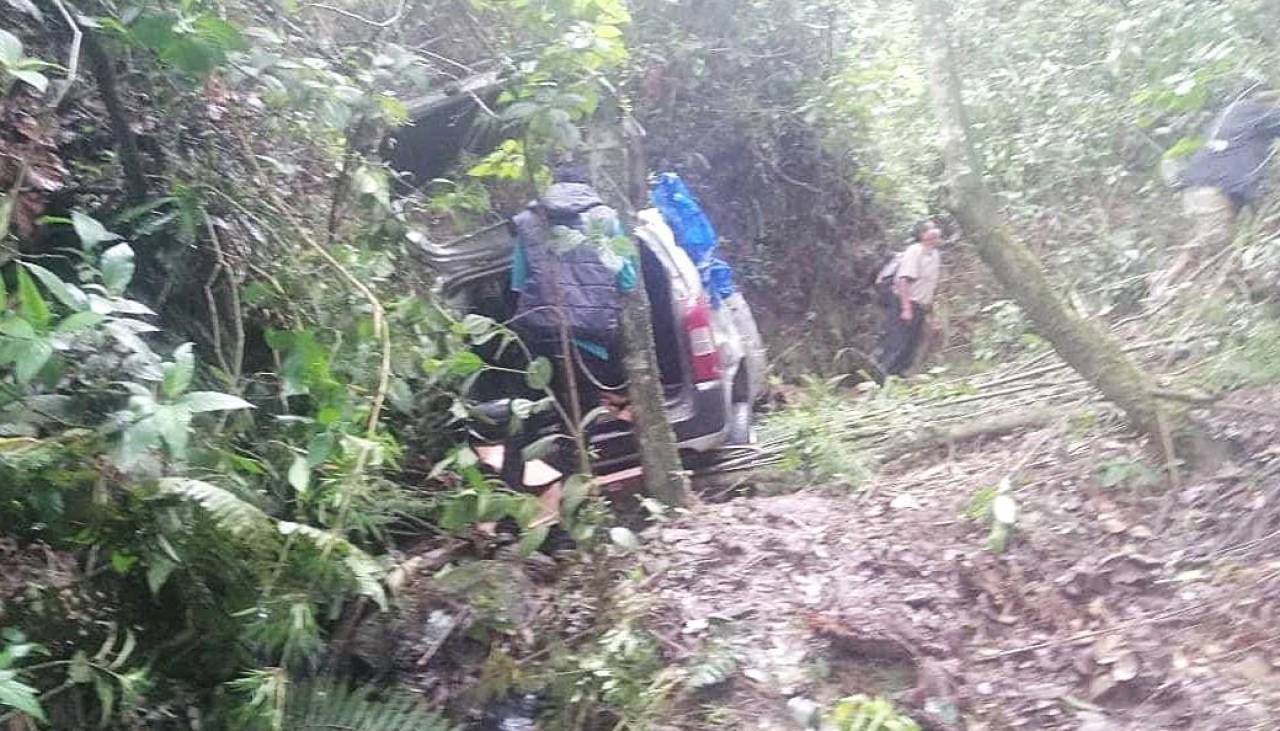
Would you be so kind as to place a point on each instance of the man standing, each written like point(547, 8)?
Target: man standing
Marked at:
point(1224, 175)
point(914, 282)
point(568, 284)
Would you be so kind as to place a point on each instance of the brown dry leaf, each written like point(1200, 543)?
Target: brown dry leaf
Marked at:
point(1106, 649)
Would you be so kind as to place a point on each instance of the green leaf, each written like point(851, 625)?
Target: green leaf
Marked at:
point(122, 562)
point(178, 374)
point(364, 569)
point(31, 358)
point(201, 401)
point(477, 325)
point(219, 32)
point(576, 490)
point(173, 423)
point(532, 539)
point(299, 474)
point(31, 305)
point(68, 294)
point(159, 569)
point(77, 322)
point(10, 48)
point(319, 449)
point(17, 695)
point(539, 374)
point(35, 79)
point(90, 232)
point(464, 363)
point(106, 698)
point(136, 442)
point(117, 268)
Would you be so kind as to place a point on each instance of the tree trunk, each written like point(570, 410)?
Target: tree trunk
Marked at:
point(1087, 348)
point(664, 476)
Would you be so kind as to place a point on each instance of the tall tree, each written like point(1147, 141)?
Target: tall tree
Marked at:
point(1087, 348)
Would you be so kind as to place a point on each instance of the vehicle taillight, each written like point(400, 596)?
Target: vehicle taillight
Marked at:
point(704, 358)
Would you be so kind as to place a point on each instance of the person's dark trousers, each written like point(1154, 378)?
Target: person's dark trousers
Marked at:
point(900, 338)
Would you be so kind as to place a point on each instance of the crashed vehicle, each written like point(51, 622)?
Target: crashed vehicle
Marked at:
point(711, 360)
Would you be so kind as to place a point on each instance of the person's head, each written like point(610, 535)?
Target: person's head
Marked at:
point(929, 233)
point(567, 172)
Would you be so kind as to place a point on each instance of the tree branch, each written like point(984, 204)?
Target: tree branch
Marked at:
point(73, 56)
point(360, 18)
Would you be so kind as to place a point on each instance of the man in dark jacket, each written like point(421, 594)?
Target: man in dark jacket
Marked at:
point(1227, 173)
point(569, 281)
point(567, 277)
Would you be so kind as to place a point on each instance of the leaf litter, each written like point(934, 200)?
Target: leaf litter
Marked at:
point(1091, 619)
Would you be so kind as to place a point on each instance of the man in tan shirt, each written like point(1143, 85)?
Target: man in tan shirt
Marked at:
point(915, 281)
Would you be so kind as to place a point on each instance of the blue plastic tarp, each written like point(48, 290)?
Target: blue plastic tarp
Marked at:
point(694, 233)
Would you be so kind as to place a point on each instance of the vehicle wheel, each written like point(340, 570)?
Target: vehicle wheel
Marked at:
point(740, 428)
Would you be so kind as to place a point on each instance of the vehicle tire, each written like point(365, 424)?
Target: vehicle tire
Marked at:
point(740, 429)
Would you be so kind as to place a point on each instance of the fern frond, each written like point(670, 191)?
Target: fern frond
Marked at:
point(229, 511)
point(364, 569)
point(327, 703)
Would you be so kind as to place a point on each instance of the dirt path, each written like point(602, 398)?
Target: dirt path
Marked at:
point(1093, 619)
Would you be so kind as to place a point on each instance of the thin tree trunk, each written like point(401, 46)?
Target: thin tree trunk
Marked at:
point(100, 63)
point(1081, 343)
point(664, 476)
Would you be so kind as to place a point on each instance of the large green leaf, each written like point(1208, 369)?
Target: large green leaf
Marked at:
point(10, 48)
point(299, 474)
point(90, 232)
point(117, 268)
point(32, 356)
point(23, 347)
point(18, 695)
point(37, 80)
point(79, 321)
point(201, 401)
point(538, 376)
point(31, 304)
point(173, 423)
point(68, 294)
point(178, 374)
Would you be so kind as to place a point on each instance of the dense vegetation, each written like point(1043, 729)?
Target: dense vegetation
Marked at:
point(230, 398)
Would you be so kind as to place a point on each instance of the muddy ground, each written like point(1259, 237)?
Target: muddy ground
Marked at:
point(1120, 603)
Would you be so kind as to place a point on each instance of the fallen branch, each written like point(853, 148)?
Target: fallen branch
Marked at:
point(1080, 636)
point(995, 426)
